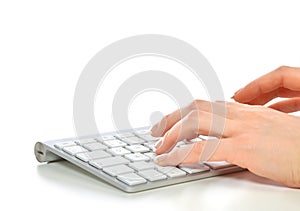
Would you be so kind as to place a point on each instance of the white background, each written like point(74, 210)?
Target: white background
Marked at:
point(44, 46)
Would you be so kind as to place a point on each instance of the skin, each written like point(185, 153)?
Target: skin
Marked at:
point(263, 139)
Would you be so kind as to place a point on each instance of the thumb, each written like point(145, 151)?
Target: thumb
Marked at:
point(287, 106)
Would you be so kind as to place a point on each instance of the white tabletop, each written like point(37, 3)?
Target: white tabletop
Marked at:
point(66, 185)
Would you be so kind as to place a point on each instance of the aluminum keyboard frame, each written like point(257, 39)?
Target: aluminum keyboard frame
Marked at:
point(46, 152)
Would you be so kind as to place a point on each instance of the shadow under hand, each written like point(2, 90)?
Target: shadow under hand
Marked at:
point(248, 176)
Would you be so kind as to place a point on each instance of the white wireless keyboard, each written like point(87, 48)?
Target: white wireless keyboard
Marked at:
point(125, 160)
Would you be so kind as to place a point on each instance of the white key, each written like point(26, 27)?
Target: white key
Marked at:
point(171, 171)
point(218, 164)
point(106, 162)
point(73, 150)
point(191, 141)
point(131, 179)
point(133, 140)
point(150, 145)
point(163, 169)
point(94, 146)
point(207, 137)
point(85, 141)
point(87, 156)
point(180, 144)
point(117, 170)
point(105, 138)
point(115, 143)
point(148, 137)
point(64, 144)
point(151, 155)
point(193, 168)
point(142, 132)
point(142, 165)
point(152, 175)
point(136, 157)
point(137, 148)
point(118, 151)
point(124, 135)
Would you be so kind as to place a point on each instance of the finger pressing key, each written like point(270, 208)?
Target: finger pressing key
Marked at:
point(195, 124)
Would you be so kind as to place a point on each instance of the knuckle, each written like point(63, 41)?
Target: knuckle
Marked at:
point(192, 105)
point(165, 119)
point(282, 68)
point(193, 122)
point(193, 115)
point(195, 104)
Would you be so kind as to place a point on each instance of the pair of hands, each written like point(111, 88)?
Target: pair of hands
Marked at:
point(265, 140)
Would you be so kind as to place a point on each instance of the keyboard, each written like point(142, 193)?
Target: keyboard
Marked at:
point(126, 160)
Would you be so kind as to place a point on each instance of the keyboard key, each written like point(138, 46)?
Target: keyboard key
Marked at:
point(94, 146)
point(137, 148)
point(148, 137)
point(142, 165)
point(105, 138)
point(64, 144)
point(85, 141)
point(136, 157)
point(218, 165)
point(151, 155)
point(180, 144)
point(131, 179)
point(106, 162)
point(207, 137)
point(150, 145)
point(73, 150)
point(87, 156)
point(117, 170)
point(133, 140)
point(163, 168)
point(194, 168)
point(171, 171)
point(115, 143)
point(118, 151)
point(142, 132)
point(124, 135)
point(152, 175)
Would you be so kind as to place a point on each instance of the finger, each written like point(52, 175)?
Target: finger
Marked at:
point(170, 120)
point(287, 106)
point(194, 124)
point(280, 92)
point(192, 153)
point(286, 77)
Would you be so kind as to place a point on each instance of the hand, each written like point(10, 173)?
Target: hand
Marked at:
point(282, 82)
point(261, 139)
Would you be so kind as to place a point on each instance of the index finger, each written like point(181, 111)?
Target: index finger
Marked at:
point(195, 124)
point(286, 77)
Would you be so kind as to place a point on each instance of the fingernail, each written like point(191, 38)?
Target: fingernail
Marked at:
point(237, 91)
point(157, 144)
point(159, 159)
